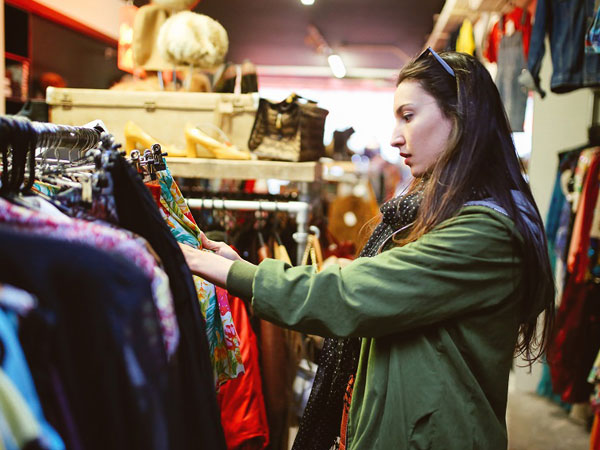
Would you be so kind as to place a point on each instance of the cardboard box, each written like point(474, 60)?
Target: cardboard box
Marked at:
point(161, 114)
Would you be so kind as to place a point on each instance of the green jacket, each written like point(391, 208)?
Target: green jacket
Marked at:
point(439, 320)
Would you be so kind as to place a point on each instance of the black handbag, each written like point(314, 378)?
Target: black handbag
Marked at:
point(291, 130)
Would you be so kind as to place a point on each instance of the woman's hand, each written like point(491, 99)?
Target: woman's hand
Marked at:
point(210, 266)
point(220, 248)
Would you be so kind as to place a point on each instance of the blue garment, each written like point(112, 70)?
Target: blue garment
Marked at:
point(592, 40)
point(16, 368)
point(567, 22)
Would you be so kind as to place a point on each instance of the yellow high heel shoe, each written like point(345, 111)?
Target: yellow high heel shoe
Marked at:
point(198, 144)
point(138, 139)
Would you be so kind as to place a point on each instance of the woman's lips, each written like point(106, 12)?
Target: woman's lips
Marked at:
point(406, 157)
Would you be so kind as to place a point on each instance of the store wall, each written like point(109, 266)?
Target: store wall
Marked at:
point(560, 122)
point(82, 61)
point(102, 16)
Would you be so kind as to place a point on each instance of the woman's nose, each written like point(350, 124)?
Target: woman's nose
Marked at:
point(397, 138)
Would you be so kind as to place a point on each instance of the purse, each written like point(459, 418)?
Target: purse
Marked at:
point(291, 130)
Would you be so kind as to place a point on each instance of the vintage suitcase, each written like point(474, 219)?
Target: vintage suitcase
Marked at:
point(162, 114)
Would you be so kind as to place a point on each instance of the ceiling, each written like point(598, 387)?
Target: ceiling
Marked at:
point(371, 34)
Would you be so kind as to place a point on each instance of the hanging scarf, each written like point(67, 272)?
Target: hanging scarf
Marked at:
point(320, 424)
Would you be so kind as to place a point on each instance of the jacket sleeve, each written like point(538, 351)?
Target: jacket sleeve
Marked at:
point(467, 264)
point(537, 45)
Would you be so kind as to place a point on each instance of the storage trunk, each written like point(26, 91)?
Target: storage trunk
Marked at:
point(162, 115)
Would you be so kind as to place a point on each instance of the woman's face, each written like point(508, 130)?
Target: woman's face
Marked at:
point(422, 131)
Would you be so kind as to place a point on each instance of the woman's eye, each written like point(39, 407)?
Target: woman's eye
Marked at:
point(407, 117)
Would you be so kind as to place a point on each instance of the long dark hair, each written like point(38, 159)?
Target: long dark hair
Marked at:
point(481, 156)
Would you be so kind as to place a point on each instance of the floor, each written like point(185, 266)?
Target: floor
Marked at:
point(535, 423)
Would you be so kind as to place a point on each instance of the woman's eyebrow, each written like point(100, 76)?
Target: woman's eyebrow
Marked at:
point(401, 107)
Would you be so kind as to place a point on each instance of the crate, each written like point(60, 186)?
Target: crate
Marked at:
point(162, 114)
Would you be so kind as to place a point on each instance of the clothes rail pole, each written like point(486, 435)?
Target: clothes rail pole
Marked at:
point(299, 209)
point(52, 135)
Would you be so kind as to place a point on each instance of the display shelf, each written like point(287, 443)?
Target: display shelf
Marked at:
point(340, 171)
point(455, 11)
point(244, 170)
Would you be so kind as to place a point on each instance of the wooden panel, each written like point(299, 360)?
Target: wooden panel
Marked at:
point(244, 170)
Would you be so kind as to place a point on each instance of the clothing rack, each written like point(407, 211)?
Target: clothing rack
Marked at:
point(594, 129)
point(298, 208)
point(59, 137)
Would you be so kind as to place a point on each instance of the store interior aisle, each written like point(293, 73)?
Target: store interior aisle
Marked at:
point(536, 423)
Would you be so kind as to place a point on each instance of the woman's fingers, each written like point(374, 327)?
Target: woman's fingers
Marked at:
point(208, 244)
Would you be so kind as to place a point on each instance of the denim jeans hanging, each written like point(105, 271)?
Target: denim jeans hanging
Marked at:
point(511, 62)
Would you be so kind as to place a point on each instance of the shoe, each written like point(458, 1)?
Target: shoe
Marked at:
point(249, 78)
point(200, 145)
point(138, 139)
point(226, 81)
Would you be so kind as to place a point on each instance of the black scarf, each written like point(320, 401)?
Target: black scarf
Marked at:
point(320, 424)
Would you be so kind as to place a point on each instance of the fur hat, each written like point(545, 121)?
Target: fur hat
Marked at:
point(188, 38)
point(176, 5)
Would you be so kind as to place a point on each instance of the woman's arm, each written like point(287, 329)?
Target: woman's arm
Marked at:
point(213, 267)
point(210, 266)
point(469, 264)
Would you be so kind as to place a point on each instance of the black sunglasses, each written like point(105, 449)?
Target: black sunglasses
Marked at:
point(439, 59)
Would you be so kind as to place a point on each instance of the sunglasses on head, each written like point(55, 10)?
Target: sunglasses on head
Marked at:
point(439, 59)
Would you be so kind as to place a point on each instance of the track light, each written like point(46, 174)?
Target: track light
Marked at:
point(307, 2)
point(336, 65)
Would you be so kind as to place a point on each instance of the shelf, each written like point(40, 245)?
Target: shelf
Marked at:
point(244, 170)
point(340, 171)
point(454, 12)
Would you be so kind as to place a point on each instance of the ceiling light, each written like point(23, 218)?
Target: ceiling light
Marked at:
point(308, 2)
point(336, 65)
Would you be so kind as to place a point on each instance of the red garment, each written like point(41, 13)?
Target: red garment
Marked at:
point(154, 189)
point(495, 36)
point(576, 342)
point(595, 434)
point(578, 259)
point(241, 400)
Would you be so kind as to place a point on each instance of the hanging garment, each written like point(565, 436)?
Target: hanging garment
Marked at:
point(19, 428)
point(594, 379)
point(276, 373)
point(592, 38)
point(576, 342)
point(595, 433)
point(15, 367)
point(465, 42)
point(511, 62)
point(579, 251)
point(242, 404)
point(578, 178)
point(566, 22)
point(518, 19)
point(223, 341)
point(196, 419)
point(127, 245)
point(95, 321)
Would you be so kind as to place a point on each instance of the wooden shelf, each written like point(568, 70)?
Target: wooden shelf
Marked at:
point(244, 170)
point(340, 171)
point(454, 12)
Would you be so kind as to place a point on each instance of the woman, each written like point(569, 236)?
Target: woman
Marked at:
point(459, 277)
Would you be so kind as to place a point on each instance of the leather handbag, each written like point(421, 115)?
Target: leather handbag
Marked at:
point(291, 130)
